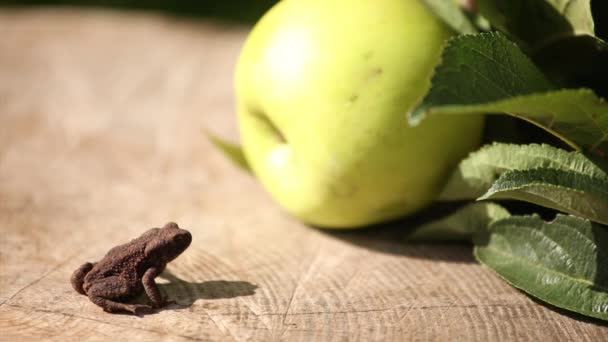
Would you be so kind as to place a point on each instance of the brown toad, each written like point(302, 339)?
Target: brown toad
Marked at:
point(128, 269)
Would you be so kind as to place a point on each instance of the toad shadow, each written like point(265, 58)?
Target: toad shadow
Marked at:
point(185, 293)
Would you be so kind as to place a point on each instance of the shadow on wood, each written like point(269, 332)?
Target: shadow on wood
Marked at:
point(390, 237)
point(185, 293)
point(570, 314)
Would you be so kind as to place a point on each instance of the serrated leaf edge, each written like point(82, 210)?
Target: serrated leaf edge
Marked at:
point(558, 219)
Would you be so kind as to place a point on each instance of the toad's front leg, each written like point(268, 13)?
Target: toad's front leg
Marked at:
point(152, 289)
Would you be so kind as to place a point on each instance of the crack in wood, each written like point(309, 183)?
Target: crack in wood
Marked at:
point(218, 326)
point(253, 312)
point(46, 274)
point(384, 309)
point(31, 309)
point(302, 277)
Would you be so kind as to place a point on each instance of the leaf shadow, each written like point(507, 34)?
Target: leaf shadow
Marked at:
point(389, 237)
point(570, 314)
point(599, 161)
point(185, 293)
point(532, 21)
point(600, 236)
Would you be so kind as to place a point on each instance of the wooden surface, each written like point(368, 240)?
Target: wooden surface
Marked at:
point(101, 120)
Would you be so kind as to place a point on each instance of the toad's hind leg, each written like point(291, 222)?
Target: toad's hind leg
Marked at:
point(105, 292)
point(78, 277)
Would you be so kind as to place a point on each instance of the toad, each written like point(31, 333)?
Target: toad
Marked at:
point(129, 269)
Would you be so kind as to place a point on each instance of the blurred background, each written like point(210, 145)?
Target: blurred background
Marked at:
point(239, 11)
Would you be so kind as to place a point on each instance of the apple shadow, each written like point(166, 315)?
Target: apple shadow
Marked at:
point(390, 237)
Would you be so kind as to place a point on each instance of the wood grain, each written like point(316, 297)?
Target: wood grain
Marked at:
point(101, 121)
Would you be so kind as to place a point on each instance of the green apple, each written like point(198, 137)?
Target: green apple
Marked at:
point(323, 88)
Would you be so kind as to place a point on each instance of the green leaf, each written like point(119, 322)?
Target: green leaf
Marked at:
point(567, 191)
point(476, 173)
point(451, 14)
point(578, 117)
point(232, 151)
point(487, 73)
point(460, 225)
point(537, 22)
point(558, 35)
point(563, 262)
point(481, 68)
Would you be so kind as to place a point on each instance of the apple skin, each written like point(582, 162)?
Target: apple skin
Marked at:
point(323, 87)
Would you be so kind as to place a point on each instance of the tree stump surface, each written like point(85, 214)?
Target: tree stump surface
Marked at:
point(102, 120)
